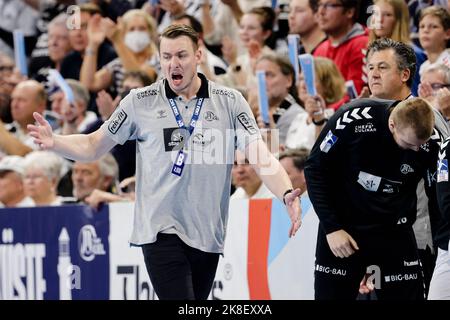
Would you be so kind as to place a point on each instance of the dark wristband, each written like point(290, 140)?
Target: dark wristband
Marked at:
point(285, 193)
point(320, 122)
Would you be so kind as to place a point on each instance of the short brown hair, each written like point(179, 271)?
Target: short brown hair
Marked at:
point(298, 156)
point(414, 113)
point(439, 12)
point(90, 8)
point(178, 30)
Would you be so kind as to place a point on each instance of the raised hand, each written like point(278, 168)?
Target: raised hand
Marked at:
point(96, 33)
point(41, 132)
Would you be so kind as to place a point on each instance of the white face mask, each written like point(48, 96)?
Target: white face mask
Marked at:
point(137, 41)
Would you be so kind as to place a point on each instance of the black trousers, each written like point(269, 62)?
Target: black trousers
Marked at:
point(394, 256)
point(178, 271)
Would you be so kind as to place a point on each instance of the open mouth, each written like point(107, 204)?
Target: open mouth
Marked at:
point(177, 78)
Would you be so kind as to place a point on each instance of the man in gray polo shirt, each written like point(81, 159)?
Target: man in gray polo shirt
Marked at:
point(187, 129)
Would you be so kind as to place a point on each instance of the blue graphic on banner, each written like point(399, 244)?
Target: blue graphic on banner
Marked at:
point(49, 253)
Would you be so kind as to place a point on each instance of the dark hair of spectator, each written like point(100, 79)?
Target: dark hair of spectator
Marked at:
point(90, 8)
point(140, 76)
point(286, 69)
point(194, 23)
point(298, 156)
point(404, 54)
point(268, 17)
point(352, 4)
point(314, 5)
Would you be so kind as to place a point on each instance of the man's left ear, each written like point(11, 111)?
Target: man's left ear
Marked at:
point(198, 54)
point(406, 74)
point(391, 125)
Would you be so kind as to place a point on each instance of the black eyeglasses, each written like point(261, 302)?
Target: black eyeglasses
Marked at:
point(327, 6)
point(437, 86)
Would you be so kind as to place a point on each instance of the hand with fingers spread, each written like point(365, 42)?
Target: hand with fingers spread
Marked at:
point(41, 132)
point(342, 244)
point(292, 202)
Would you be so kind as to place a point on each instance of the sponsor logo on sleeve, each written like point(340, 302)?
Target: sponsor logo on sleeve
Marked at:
point(328, 142)
point(247, 122)
point(222, 92)
point(117, 122)
point(442, 173)
point(147, 93)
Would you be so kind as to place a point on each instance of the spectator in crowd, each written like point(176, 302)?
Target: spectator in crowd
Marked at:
point(16, 15)
point(58, 48)
point(391, 20)
point(302, 21)
point(12, 192)
point(88, 176)
point(434, 35)
point(48, 10)
point(78, 38)
point(6, 71)
point(27, 97)
point(347, 40)
point(248, 184)
point(435, 88)
point(415, 8)
point(133, 38)
point(76, 118)
point(222, 24)
point(293, 161)
point(42, 173)
point(255, 30)
point(281, 92)
point(330, 87)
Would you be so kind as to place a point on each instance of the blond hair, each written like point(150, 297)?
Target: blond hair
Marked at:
point(401, 28)
point(414, 113)
point(330, 78)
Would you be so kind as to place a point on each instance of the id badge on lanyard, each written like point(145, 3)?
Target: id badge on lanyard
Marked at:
point(178, 166)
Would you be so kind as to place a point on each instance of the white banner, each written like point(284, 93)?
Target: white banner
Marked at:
point(259, 261)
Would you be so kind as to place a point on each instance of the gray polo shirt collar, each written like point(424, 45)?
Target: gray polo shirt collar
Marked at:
point(202, 92)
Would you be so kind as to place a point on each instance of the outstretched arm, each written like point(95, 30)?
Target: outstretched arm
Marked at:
point(276, 179)
point(79, 147)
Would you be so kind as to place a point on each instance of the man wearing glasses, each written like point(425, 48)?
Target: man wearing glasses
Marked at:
point(347, 40)
point(435, 87)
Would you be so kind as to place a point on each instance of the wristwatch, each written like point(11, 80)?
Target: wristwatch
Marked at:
point(285, 193)
point(320, 122)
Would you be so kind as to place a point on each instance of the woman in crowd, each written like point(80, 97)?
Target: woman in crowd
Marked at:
point(331, 94)
point(255, 33)
point(281, 92)
point(42, 174)
point(133, 38)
